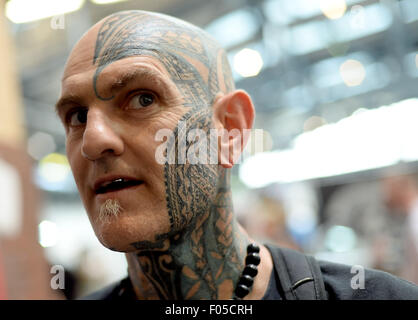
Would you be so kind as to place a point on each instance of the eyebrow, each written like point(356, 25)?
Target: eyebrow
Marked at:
point(69, 99)
point(146, 75)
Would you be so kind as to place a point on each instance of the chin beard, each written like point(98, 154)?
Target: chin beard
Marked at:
point(108, 210)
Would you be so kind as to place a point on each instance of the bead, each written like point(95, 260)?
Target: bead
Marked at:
point(246, 280)
point(253, 247)
point(241, 291)
point(252, 258)
point(250, 270)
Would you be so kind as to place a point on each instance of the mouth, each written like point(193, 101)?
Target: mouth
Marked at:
point(116, 185)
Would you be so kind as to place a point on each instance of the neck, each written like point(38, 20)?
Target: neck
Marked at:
point(203, 262)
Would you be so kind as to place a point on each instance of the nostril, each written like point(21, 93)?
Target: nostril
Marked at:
point(94, 156)
point(85, 155)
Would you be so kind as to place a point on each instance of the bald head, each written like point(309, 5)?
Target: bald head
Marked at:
point(195, 62)
point(131, 77)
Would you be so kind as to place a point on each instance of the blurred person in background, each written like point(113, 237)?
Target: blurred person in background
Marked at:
point(382, 215)
point(266, 222)
point(401, 198)
point(130, 75)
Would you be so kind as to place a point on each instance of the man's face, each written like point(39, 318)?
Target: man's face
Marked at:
point(114, 139)
point(127, 78)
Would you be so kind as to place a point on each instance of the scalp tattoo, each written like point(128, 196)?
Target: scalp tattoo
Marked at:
point(196, 195)
point(178, 45)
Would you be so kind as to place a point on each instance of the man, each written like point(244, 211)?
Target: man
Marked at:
point(132, 75)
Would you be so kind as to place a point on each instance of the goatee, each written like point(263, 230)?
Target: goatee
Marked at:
point(110, 209)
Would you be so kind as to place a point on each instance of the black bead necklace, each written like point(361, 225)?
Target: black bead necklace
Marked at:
point(245, 282)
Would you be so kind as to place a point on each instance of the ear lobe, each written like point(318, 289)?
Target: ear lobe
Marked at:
point(233, 118)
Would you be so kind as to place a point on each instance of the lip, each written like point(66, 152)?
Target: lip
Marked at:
point(99, 182)
point(122, 194)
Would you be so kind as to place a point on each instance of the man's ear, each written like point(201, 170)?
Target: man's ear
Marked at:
point(233, 116)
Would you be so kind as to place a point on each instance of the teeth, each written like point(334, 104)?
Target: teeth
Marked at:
point(113, 181)
point(117, 184)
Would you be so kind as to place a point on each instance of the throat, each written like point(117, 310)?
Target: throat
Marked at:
point(204, 262)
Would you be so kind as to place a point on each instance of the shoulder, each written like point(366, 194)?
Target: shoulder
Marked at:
point(118, 290)
point(344, 282)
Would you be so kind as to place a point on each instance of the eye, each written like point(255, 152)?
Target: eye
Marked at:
point(142, 100)
point(77, 118)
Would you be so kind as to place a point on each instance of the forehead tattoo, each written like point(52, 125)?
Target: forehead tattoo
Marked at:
point(179, 46)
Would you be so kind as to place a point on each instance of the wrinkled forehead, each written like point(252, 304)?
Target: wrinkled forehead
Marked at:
point(191, 57)
point(132, 33)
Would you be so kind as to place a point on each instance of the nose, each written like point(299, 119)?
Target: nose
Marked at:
point(100, 137)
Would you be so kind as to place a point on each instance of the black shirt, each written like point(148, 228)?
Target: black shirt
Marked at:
point(338, 280)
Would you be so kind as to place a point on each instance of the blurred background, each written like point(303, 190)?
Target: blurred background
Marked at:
point(334, 83)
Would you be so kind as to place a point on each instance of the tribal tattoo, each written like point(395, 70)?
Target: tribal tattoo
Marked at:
point(181, 47)
point(203, 253)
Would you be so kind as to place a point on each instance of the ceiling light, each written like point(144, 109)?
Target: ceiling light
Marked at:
point(356, 143)
point(352, 72)
point(248, 62)
point(333, 9)
point(22, 11)
point(106, 1)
